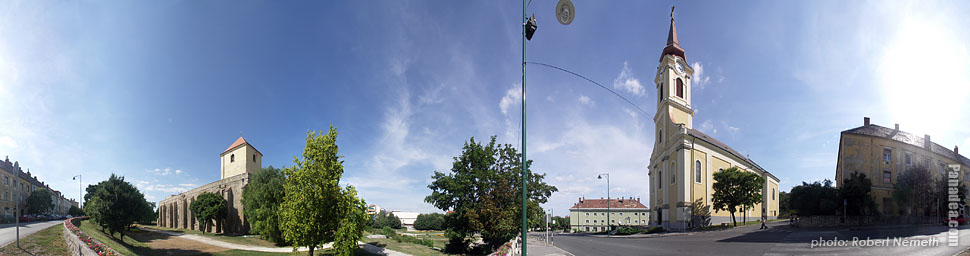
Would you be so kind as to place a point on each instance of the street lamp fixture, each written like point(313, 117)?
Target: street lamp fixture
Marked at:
point(608, 223)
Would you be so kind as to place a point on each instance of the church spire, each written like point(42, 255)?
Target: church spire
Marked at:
point(673, 45)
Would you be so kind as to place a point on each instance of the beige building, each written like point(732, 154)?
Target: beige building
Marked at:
point(592, 215)
point(16, 185)
point(883, 154)
point(684, 159)
point(238, 162)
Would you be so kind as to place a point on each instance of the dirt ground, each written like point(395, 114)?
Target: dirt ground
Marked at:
point(173, 245)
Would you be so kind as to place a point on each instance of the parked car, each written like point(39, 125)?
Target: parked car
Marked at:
point(962, 219)
point(26, 218)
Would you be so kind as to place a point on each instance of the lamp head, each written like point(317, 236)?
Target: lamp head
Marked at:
point(530, 27)
point(599, 176)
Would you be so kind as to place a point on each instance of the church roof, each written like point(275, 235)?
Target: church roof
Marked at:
point(725, 147)
point(615, 203)
point(239, 143)
point(673, 45)
point(908, 138)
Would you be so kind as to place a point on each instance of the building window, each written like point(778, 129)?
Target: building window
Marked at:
point(635, 214)
point(680, 88)
point(587, 228)
point(772, 194)
point(887, 155)
point(660, 180)
point(660, 95)
point(254, 158)
point(966, 176)
point(612, 221)
point(943, 170)
point(594, 214)
point(621, 214)
point(660, 136)
point(697, 171)
point(587, 221)
point(887, 177)
point(636, 222)
point(673, 174)
point(587, 214)
point(909, 159)
point(232, 158)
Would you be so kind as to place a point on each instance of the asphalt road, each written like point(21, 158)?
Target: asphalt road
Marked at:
point(8, 232)
point(778, 240)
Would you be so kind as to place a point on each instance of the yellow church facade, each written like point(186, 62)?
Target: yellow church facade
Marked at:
point(684, 159)
point(883, 154)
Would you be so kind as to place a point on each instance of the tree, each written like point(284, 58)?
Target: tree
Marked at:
point(943, 194)
point(208, 207)
point(75, 211)
point(855, 193)
point(386, 219)
point(735, 188)
point(148, 213)
point(114, 204)
point(262, 198)
point(315, 209)
point(433, 221)
point(784, 204)
point(40, 201)
point(484, 191)
point(817, 198)
point(914, 192)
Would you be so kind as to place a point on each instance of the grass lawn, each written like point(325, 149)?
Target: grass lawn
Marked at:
point(254, 240)
point(130, 246)
point(359, 252)
point(49, 241)
point(409, 248)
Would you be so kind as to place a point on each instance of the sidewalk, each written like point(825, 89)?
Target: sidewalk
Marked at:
point(367, 247)
point(537, 247)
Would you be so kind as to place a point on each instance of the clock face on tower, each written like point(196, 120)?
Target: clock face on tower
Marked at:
point(679, 67)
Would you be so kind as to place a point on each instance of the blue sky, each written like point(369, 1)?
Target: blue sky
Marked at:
point(154, 91)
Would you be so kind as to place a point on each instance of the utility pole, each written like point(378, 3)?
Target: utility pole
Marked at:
point(525, 229)
point(608, 223)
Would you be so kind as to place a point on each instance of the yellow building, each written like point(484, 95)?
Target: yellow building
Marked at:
point(882, 154)
point(684, 159)
point(239, 158)
point(590, 215)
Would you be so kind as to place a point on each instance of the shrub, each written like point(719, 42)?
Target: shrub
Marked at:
point(626, 231)
point(653, 230)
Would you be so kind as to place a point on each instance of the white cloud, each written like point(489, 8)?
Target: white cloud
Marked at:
point(178, 171)
point(627, 82)
point(708, 127)
point(160, 171)
point(586, 100)
point(701, 79)
point(512, 98)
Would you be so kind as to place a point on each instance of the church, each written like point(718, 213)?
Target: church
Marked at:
point(237, 163)
point(684, 159)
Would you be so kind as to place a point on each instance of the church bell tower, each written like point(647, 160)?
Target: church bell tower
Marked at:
point(673, 82)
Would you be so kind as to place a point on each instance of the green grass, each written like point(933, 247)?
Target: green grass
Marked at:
point(409, 248)
point(252, 240)
point(49, 241)
point(129, 247)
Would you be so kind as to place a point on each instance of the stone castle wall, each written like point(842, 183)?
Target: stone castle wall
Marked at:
point(173, 212)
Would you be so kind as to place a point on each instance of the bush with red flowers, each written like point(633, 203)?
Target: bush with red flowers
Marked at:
point(95, 246)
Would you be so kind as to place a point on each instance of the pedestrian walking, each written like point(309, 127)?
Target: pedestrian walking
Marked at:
point(764, 221)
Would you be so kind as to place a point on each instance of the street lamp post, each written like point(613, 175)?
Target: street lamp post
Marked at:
point(79, 193)
point(608, 228)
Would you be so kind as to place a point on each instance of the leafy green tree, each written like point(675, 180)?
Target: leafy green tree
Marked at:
point(484, 191)
point(386, 219)
point(915, 191)
point(148, 213)
point(208, 207)
point(40, 201)
point(784, 204)
point(315, 209)
point(75, 211)
point(817, 198)
point(262, 198)
point(943, 194)
point(735, 188)
point(115, 205)
point(432, 221)
point(855, 190)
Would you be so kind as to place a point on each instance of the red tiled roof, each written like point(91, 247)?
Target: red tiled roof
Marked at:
point(239, 142)
point(622, 203)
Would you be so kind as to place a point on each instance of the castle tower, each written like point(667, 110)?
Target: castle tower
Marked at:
point(239, 158)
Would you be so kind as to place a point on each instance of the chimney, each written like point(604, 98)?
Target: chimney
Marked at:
point(638, 199)
point(926, 141)
point(865, 120)
point(897, 127)
point(956, 150)
point(580, 200)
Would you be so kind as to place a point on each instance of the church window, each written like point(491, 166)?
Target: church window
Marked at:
point(660, 179)
point(697, 171)
point(673, 175)
point(661, 94)
point(254, 157)
point(680, 88)
point(660, 136)
point(232, 158)
point(772, 194)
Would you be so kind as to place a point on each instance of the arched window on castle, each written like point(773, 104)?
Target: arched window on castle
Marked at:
point(680, 88)
point(232, 158)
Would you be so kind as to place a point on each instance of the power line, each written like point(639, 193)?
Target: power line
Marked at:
point(594, 82)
